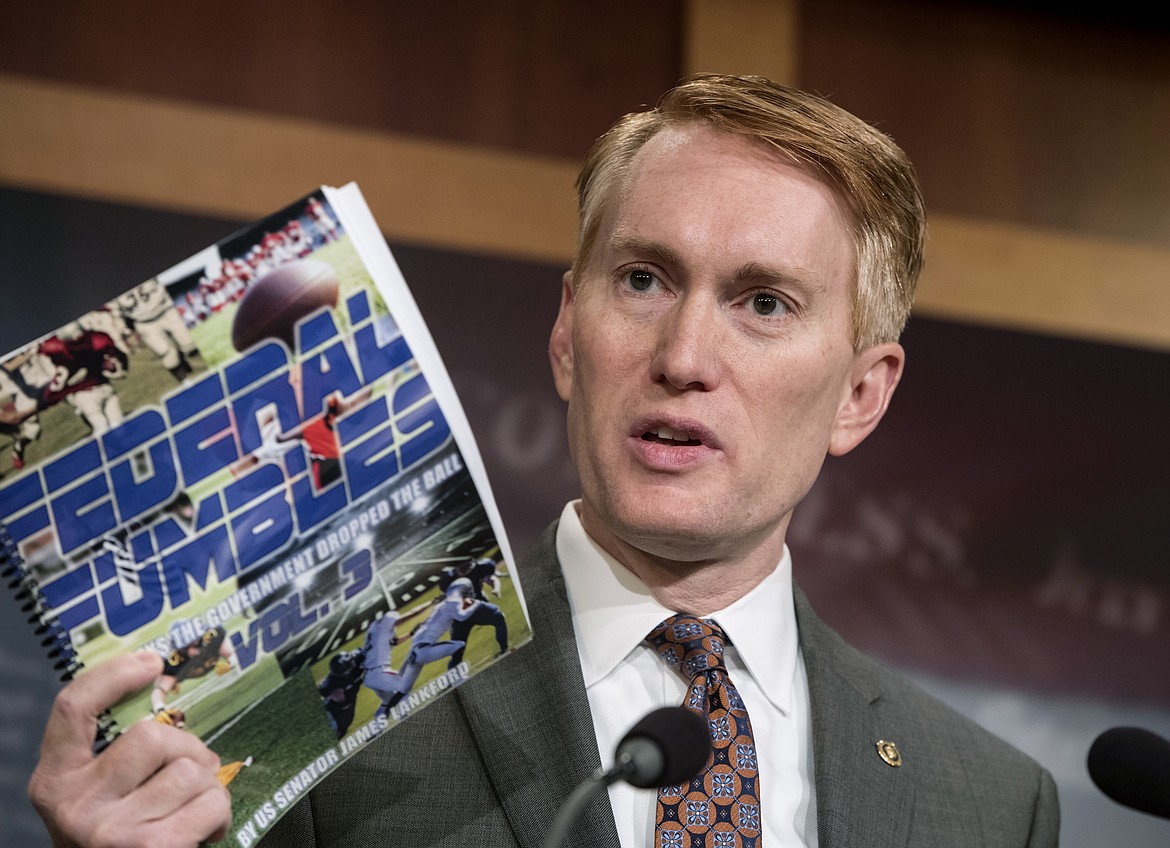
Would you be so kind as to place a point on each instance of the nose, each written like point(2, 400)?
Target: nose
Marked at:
point(686, 355)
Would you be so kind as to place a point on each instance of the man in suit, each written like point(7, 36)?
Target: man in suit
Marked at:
point(746, 260)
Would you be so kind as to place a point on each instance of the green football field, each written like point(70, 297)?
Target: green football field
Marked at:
point(281, 724)
point(289, 729)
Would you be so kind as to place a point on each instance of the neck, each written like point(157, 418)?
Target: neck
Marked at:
point(697, 578)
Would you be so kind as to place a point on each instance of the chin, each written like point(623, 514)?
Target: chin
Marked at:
point(670, 531)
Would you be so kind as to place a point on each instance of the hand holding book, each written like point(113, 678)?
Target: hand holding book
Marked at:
point(155, 785)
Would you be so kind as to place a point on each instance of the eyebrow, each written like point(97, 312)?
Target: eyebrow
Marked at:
point(647, 249)
point(800, 278)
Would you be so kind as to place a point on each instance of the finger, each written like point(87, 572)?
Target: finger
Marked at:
point(171, 789)
point(208, 816)
point(204, 818)
point(72, 725)
point(210, 813)
point(146, 749)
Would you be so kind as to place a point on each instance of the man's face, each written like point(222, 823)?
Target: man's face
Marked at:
point(705, 351)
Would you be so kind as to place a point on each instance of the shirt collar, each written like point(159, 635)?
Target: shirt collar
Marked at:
point(613, 611)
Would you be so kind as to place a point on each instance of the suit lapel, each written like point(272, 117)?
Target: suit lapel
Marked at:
point(861, 799)
point(529, 714)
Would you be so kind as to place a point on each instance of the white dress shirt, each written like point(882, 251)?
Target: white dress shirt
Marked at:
point(612, 614)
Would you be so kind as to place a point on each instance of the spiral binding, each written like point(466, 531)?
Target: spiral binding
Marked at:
point(54, 638)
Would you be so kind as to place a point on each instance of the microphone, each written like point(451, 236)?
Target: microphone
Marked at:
point(667, 746)
point(1132, 766)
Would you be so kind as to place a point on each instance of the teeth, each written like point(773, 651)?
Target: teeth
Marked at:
point(670, 435)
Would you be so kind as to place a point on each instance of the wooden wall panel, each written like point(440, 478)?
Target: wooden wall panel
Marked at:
point(743, 37)
point(527, 75)
point(1038, 137)
point(1037, 119)
point(242, 165)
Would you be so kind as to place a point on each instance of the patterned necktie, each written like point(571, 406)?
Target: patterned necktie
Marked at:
point(720, 808)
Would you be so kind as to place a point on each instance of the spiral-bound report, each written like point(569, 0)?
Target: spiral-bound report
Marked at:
point(255, 465)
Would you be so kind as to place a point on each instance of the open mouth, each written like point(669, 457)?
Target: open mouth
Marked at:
point(667, 436)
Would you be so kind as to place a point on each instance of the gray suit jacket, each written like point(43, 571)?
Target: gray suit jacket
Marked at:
point(491, 763)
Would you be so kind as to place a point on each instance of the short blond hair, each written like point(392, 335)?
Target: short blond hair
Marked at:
point(867, 169)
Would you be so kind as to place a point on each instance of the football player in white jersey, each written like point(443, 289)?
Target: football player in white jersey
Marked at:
point(18, 413)
point(147, 308)
point(426, 645)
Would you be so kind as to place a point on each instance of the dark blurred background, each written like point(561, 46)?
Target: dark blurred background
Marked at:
point(1003, 536)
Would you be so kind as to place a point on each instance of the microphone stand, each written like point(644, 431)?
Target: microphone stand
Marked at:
point(585, 792)
point(669, 745)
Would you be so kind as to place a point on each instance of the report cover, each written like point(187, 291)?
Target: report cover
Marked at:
point(255, 465)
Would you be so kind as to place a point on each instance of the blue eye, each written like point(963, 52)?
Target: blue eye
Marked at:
point(641, 280)
point(766, 304)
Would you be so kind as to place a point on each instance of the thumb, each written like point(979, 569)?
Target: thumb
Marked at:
point(72, 725)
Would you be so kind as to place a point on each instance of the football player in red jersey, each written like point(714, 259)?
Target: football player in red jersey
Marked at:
point(319, 436)
point(81, 364)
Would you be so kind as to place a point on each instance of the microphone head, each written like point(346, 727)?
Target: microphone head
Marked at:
point(667, 746)
point(1132, 766)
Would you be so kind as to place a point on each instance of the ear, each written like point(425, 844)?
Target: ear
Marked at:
point(560, 343)
point(873, 377)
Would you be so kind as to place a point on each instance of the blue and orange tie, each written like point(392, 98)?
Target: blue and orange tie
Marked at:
point(720, 808)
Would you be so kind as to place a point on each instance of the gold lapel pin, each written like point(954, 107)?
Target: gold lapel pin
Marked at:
point(889, 752)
